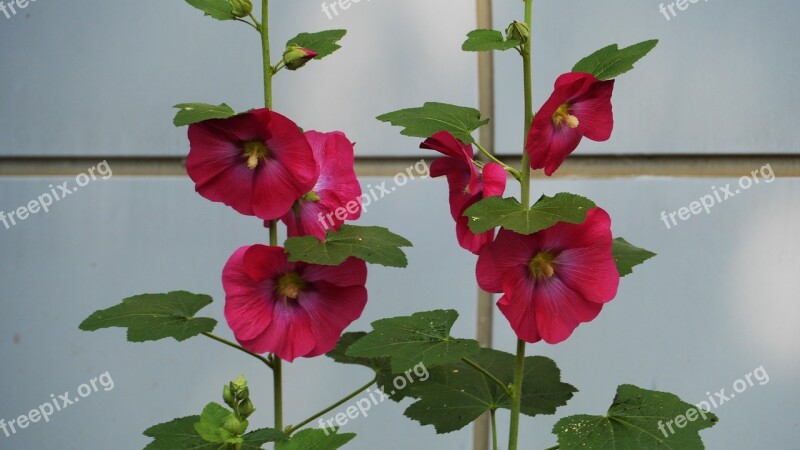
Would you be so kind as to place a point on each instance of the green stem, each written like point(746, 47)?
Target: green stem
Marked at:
point(237, 347)
point(277, 364)
point(514, 172)
point(266, 51)
point(277, 378)
point(516, 401)
point(527, 79)
point(489, 375)
point(293, 428)
point(494, 429)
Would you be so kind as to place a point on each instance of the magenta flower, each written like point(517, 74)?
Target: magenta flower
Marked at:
point(468, 184)
point(337, 195)
point(552, 280)
point(290, 309)
point(580, 106)
point(258, 162)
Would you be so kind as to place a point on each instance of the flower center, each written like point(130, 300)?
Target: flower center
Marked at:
point(291, 285)
point(254, 151)
point(311, 197)
point(562, 115)
point(542, 265)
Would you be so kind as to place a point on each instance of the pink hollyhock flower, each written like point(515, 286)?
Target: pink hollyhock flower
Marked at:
point(337, 195)
point(468, 184)
point(580, 106)
point(258, 162)
point(552, 280)
point(290, 309)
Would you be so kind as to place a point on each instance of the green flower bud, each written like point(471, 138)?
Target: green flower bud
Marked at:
point(241, 8)
point(228, 396)
point(234, 426)
point(246, 409)
point(239, 386)
point(296, 57)
point(518, 31)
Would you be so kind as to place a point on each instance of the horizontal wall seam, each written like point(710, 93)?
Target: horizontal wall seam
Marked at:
point(577, 166)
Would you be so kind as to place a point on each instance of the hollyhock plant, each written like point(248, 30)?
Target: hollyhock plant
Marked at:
point(290, 309)
point(552, 280)
point(335, 197)
point(553, 262)
point(468, 184)
point(258, 162)
point(579, 106)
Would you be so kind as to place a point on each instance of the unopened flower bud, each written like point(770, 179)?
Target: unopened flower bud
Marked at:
point(228, 396)
point(241, 8)
point(296, 57)
point(246, 409)
point(238, 386)
point(234, 426)
point(518, 31)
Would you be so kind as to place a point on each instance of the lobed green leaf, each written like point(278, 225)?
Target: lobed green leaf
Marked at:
point(191, 113)
point(635, 421)
point(420, 338)
point(627, 256)
point(611, 62)
point(487, 40)
point(375, 245)
point(323, 43)
point(493, 212)
point(433, 117)
point(151, 317)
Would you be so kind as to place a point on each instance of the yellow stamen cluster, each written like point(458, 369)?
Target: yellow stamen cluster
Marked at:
point(254, 151)
point(291, 285)
point(562, 115)
point(542, 265)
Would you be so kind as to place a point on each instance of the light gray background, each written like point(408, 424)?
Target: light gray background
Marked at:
point(96, 78)
point(89, 77)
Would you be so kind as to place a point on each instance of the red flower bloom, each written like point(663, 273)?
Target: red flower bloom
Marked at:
point(580, 106)
point(258, 162)
point(552, 280)
point(290, 309)
point(337, 195)
point(468, 184)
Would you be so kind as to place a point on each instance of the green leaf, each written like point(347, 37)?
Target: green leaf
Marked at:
point(611, 62)
point(487, 40)
point(432, 117)
point(190, 113)
point(493, 212)
point(375, 245)
point(456, 394)
point(381, 365)
point(316, 439)
point(256, 439)
point(211, 422)
point(150, 317)
point(627, 256)
point(323, 43)
point(632, 423)
point(178, 434)
point(218, 9)
point(422, 338)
